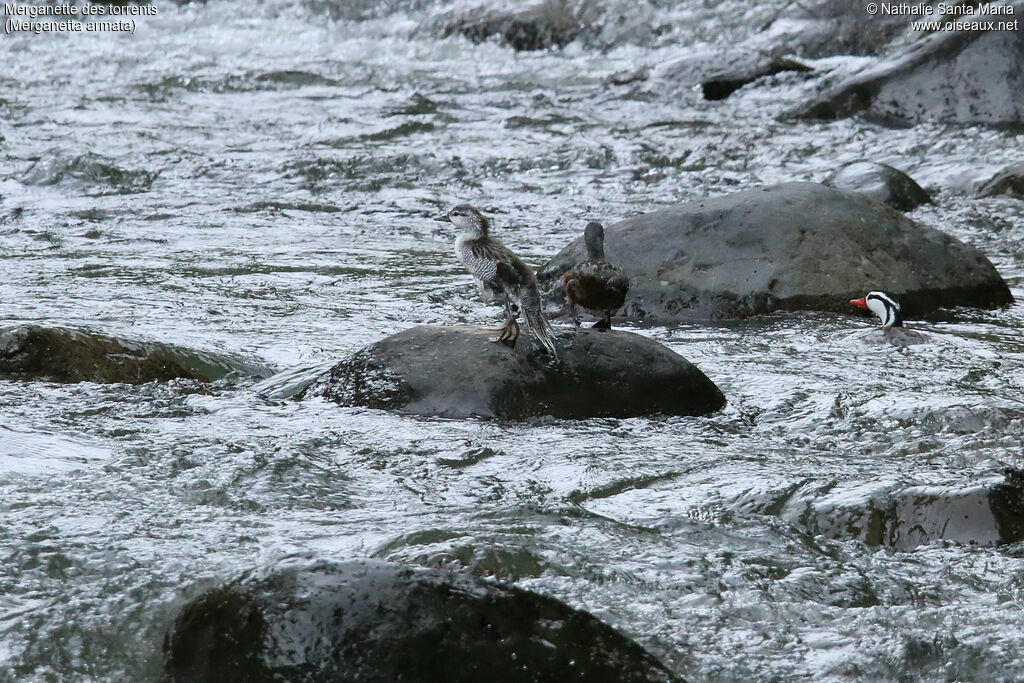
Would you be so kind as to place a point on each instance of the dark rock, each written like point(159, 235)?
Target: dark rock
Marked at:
point(1009, 181)
point(374, 621)
point(891, 513)
point(458, 372)
point(958, 76)
point(881, 182)
point(798, 246)
point(543, 25)
point(60, 354)
point(722, 71)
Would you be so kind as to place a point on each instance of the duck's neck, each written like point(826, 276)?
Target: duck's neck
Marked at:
point(893, 317)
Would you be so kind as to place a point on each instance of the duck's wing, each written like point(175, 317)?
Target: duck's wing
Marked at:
point(509, 269)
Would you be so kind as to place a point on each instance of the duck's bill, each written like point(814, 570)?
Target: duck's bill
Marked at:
point(861, 302)
point(443, 218)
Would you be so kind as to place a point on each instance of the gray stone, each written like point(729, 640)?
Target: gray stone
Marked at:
point(377, 622)
point(1009, 181)
point(881, 182)
point(904, 516)
point(60, 354)
point(539, 26)
point(824, 28)
point(458, 372)
point(966, 76)
point(798, 246)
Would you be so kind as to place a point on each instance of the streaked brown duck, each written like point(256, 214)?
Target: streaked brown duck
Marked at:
point(595, 284)
point(500, 275)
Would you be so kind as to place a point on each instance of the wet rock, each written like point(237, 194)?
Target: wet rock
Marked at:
point(1009, 181)
point(458, 372)
point(959, 76)
point(902, 516)
point(881, 182)
point(91, 170)
point(371, 621)
point(798, 246)
point(542, 25)
point(61, 354)
point(722, 71)
point(826, 28)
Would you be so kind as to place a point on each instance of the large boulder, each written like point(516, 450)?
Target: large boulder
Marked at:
point(458, 372)
point(372, 621)
point(789, 247)
point(963, 76)
point(61, 354)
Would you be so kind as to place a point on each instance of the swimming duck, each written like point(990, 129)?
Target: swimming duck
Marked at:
point(889, 312)
point(501, 275)
point(595, 284)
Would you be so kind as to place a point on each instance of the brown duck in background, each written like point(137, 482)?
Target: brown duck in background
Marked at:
point(595, 284)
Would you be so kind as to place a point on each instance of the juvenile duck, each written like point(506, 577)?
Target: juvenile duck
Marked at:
point(500, 275)
point(595, 284)
point(888, 310)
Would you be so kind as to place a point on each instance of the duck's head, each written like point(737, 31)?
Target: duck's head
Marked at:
point(883, 306)
point(593, 238)
point(468, 220)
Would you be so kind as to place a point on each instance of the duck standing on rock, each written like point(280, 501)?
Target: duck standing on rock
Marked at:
point(595, 284)
point(888, 310)
point(500, 274)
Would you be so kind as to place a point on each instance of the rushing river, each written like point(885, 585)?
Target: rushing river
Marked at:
point(258, 179)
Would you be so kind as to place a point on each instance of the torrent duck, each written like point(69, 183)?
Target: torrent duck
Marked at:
point(595, 284)
point(888, 310)
point(501, 275)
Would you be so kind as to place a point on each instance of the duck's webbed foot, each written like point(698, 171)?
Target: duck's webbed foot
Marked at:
point(604, 323)
point(509, 333)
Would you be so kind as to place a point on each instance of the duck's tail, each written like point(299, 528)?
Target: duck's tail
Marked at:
point(536, 322)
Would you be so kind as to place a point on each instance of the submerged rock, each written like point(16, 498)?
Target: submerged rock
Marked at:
point(61, 354)
point(881, 182)
point(92, 170)
point(1009, 181)
point(458, 372)
point(542, 25)
point(891, 513)
point(963, 76)
point(720, 71)
point(798, 246)
point(374, 621)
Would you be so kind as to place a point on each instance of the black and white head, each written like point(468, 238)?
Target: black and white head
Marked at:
point(593, 238)
point(883, 306)
point(470, 222)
